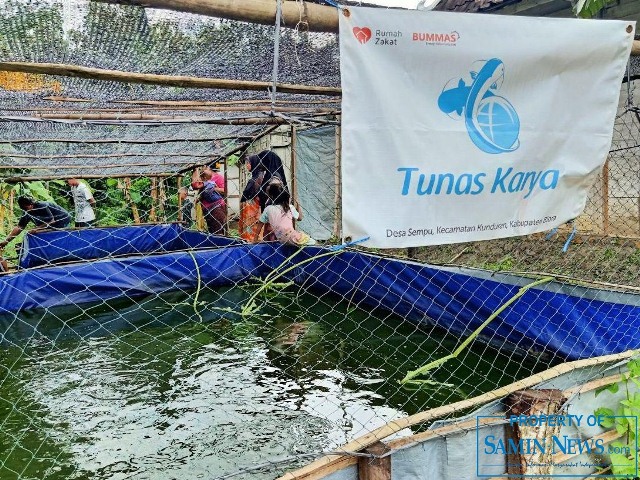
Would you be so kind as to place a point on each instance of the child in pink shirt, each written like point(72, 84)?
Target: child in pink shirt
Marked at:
point(280, 215)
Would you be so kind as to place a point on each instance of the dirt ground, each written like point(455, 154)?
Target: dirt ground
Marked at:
point(588, 258)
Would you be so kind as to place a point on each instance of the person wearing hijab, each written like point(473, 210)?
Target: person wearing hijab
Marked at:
point(274, 173)
point(266, 168)
point(250, 209)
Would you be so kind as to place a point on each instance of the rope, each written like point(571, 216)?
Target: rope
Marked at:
point(199, 277)
point(436, 363)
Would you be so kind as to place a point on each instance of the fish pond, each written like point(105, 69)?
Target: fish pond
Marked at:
point(174, 387)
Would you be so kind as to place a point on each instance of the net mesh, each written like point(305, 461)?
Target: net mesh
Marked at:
point(145, 348)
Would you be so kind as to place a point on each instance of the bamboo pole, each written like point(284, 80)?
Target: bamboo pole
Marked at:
point(243, 147)
point(179, 186)
point(29, 178)
point(93, 166)
point(162, 199)
point(605, 198)
point(110, 155)
point(337, 185)
point(133, 119)
point(300, 14)
point(123, 110)
point(294, 159)
point(225, 228)
point(66, 70)
point(2, 214)
point(127, 116)
point(11, 216)
point(116, 140)
point(154, 199)
point(127, 196)
point(194, 103)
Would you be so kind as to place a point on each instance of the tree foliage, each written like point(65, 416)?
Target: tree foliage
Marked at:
point(590, 8)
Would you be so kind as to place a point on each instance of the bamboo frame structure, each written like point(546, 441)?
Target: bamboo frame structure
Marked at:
point(310, 16)
point(66, 70)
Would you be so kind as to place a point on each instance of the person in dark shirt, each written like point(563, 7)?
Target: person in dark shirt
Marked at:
point(44, 215)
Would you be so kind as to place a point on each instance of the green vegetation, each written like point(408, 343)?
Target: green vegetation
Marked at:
point(624, 420)
point(590, 8)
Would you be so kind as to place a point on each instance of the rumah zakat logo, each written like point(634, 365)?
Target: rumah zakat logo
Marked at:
point(491, 121)
point(362, 34)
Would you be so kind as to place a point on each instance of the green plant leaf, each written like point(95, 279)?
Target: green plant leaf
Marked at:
point(634, 368)
point(621, 465)
point(613, 388)
point(607, 422)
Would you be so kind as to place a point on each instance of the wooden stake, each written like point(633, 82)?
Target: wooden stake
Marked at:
point(375, 468)
point(66, 70)
point(539, 461)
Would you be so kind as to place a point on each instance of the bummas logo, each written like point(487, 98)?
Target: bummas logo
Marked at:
point(492, 122)
point(436, 38)
point(363, 35)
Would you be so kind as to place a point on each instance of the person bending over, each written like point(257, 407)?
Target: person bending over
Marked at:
point(280, 214)
point(44, 215)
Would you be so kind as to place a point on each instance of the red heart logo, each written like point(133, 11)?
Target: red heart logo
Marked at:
point(362, 34)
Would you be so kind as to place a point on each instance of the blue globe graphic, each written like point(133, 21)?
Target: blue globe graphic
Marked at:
point(499, 122)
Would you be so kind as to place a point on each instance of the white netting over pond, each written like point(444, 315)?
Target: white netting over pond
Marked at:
point(147, 347)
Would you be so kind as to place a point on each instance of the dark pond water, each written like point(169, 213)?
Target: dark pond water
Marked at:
point(152, 390)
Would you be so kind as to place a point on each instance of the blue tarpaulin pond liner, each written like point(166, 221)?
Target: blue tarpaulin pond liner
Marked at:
point(57, 246)
point(573, 321)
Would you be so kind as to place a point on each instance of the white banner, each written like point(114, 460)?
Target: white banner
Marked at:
point(460, 127)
